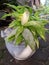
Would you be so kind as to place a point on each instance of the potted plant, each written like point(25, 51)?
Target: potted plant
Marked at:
point(21, 36)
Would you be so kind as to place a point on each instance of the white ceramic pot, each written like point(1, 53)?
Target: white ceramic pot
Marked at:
point(20, 52)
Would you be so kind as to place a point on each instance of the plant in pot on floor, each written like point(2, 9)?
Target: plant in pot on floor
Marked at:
point(21, 36)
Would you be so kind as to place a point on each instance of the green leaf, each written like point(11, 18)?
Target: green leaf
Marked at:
point(18, 40)
point(29, 9)
point(41, 32)
point(19, 31)
point(44, 22)
point(4, 16)
point(21, 9)
point(12, 6)
point(38, 27)
point(14, 14)
point(18, 35)
point(29, 39)
point(35, 35)
point(36, 15)
point(32, 23)
point(36, 39)
point(11, 36)
point(14, 23)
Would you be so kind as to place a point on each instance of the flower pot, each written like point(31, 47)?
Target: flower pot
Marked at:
point(19, 52)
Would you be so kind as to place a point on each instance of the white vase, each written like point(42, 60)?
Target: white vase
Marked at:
point(19, 52)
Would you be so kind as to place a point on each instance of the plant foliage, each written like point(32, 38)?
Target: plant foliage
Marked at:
point(27, 18)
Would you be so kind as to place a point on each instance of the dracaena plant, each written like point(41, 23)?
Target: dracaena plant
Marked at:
point(26, 18)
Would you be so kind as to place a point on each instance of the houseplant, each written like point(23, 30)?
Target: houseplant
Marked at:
point(21, 37)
